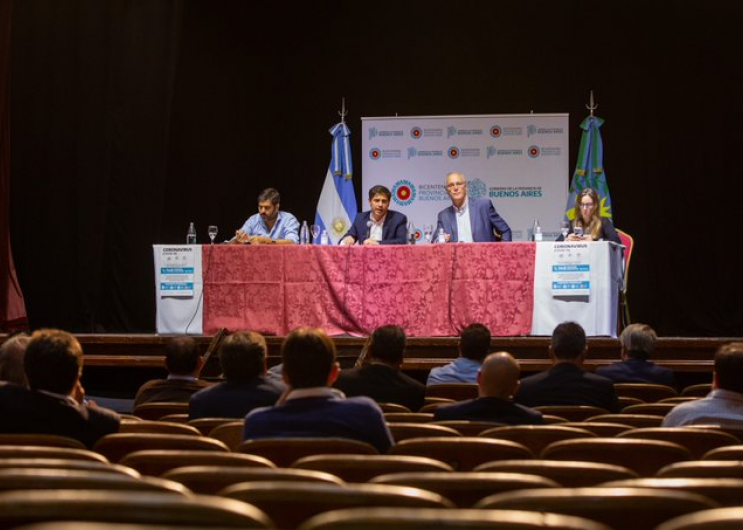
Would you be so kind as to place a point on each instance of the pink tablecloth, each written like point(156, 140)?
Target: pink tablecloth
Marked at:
point(429, 290)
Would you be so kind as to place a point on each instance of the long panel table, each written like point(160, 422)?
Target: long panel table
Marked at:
point(430, 290)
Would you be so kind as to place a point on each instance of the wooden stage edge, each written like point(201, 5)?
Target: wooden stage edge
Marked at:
point(147, 351)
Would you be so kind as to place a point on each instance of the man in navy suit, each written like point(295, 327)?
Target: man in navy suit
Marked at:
point(637, 343)
point(380, 225)
point(470, 220)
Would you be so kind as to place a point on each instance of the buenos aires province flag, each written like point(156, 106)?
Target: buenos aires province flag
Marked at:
point(337, 208)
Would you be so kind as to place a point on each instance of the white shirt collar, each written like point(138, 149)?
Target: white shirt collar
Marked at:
point(315, 391)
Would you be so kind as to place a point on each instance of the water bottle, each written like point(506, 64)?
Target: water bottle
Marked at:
point(191, 235)
point(411, 234)
point(537, 231)
point(324, 240)
point(304, 234)
point(442, 236)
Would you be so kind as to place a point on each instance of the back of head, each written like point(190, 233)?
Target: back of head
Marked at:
point(568, 341)
point(388, 344)
point(53, 361)
point(308, 357)
point(182, 356)
point(499, 375)
point(729, 367)
point(11, 359)
point(638, 341)
point(243, 356)
point(474, 342)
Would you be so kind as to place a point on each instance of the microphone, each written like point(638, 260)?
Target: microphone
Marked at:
point(369, 225)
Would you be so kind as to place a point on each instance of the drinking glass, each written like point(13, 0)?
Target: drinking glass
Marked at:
point(212, 231)
point(578, 231)
point(565, 229)
point(428, 233)
point(315, 229)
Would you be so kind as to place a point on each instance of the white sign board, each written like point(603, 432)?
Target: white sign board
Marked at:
point(519, 161)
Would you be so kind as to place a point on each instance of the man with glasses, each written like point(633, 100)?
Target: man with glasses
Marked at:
point(470, 220)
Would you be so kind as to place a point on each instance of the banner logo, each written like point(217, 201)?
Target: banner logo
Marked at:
point(412, 151)
point(375, 153)
point(477, 189)
point(451, 131)
point(495, 131)
point(416, 133)
point(453, 152)
point(404, 192)
point(534, 151)
point(531, 129)
point(373, 133)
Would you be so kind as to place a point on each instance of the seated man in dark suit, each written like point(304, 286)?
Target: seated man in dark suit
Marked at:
point(379, 377)
point(566, 383)
point(380, 225)
point(637, 342)
point(310, 407)
point(53, 362)
point(243, 359)
point(11, 359)
point(184, 363)
point(498, 382)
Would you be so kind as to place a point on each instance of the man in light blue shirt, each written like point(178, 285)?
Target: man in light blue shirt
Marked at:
point(474, 345)
point(724, 405)
point(269, 225)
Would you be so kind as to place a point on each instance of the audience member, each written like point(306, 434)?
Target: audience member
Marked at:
point(637, 343)
point(184, 363)
point(380, 377)
point(310, 407)
point(243, 359)
point(11, 359)
point(566, 383)
point(474, 344)
point(54, 402)
point(724, 405)
point(498, 382)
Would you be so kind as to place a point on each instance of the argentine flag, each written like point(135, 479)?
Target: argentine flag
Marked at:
point(589, 170)
point(337, 208)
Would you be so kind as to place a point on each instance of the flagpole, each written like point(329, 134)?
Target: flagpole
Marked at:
point(343, 112)
point(592, 106)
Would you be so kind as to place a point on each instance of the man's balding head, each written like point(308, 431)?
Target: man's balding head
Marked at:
point(499, 376)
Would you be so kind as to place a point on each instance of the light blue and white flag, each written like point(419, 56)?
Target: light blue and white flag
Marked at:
point(337, 208)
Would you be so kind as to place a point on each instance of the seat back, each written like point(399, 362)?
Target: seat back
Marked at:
point(406, 431)
point(155, 462)
point(571, 474)
point(66, 463)
point(393, 407)
point(536, 437)
point(634, 420)
point(572, 412)
point(209, 480)
point(730, 452)
point(136, 507)
point(468, 427)
point(724, 491)
point(644, 457)
point(408, 417)
point(427, 518)
point(156, 426)
point(700, 390)
point(362, 468)
point(629, 244)
point(116, 446)
point(37, 451)
point(41, 440)
point(703, 469)
point(697, 441)
point(155, 410)
point(207, 425)
point(289, 504)
point(657, 409)
point(603, 429)
point(717, 519)
point(229, 433)
point(636, 508)
point(465, 488)
point(462, 454)
point(285, 451)
point(647, 392)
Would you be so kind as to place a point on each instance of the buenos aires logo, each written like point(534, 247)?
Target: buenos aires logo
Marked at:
point(533, 151)
point(453, 152)
point(416, 132)
point(495, 131)
point(375, 153)
point(404, 192)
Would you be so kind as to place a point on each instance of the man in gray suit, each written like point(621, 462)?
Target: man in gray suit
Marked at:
point(470, 220)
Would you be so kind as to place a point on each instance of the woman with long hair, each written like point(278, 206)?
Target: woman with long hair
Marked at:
point(587, 218)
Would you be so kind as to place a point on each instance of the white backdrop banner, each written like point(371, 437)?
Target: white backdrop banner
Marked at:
point(520, 161)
